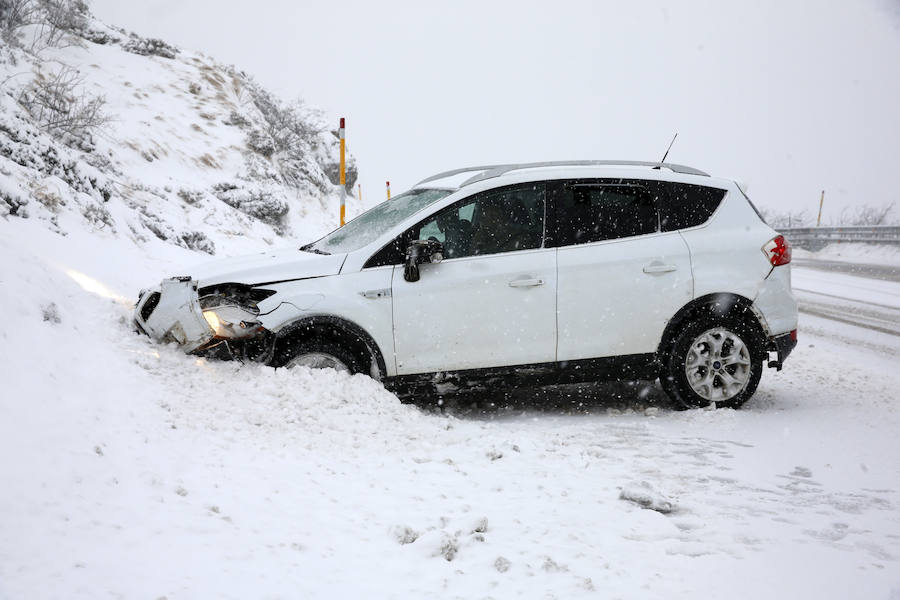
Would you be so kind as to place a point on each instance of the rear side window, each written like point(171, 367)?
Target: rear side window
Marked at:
point(688, 205)
point(596, 211)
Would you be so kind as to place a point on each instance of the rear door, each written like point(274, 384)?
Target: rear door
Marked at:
point(492, 301)
point(620, 279)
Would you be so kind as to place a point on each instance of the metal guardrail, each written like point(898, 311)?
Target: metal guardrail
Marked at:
point(815, 238)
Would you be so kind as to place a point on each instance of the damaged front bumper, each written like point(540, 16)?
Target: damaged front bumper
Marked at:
point(216, 321)
point(172, 313)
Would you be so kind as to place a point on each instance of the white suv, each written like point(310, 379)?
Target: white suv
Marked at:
point(536, 273)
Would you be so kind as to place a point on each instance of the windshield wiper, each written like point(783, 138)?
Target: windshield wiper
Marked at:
point(309, 248)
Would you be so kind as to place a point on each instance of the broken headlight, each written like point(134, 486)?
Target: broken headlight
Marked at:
point(231, 311)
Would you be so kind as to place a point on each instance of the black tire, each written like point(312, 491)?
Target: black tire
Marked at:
point(674, 377)
point(287, 349)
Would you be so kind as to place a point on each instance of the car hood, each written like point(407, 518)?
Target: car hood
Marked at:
point(267, 267)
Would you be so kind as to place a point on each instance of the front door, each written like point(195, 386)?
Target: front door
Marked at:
point(492, 301)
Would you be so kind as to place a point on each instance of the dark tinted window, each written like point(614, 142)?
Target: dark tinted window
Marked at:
point(501, 220)
point(392, 254)
point(592, 212)
point(688, 205)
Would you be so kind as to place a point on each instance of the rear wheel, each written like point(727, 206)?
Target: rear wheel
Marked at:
point(714, 361)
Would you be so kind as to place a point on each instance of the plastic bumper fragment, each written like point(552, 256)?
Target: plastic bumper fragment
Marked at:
point(172, 313)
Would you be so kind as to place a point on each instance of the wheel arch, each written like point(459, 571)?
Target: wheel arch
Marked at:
point(723, 304)
point(336, 329)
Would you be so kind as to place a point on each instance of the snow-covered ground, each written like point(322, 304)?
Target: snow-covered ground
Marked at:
point(132, 470)
point(875, 254)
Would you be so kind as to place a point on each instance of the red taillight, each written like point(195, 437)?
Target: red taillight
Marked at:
point(778, 251)
point(793, 335)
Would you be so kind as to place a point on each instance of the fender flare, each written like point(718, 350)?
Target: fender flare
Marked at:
point(344, 326)
point(721, 303)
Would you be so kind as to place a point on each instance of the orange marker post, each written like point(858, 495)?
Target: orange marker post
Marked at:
point(821, 202)
point(343, 173)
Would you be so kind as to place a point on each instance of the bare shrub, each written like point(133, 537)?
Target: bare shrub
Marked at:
point(99, 36)
point(98, 216)
point(237, 119)
point(261, 143)
point(61, 106)
point(61, 17)
point(196, 240)
point(14, 14)
point(267, 205)
point(288, 131)
point(785, 219)
point(157, 226)
point(24, 144)
point(12, 201)
point(866, 215)
point(150, 47)
point(191, 196)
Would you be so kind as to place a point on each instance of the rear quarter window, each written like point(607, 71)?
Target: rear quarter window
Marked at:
point(688, 205)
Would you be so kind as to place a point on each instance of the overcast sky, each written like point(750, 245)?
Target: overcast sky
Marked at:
point(793, 97)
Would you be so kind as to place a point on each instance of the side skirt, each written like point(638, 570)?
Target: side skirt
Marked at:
point(631, 367)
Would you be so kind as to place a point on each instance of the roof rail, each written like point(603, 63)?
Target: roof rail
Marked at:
point(491, 171)
point(458, 171)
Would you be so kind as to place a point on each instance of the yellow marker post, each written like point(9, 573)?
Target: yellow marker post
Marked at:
point(821, 202)
point(343, 173)
point(388, 184)
point(359, 193)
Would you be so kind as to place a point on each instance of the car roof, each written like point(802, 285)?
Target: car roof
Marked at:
point(457, 179)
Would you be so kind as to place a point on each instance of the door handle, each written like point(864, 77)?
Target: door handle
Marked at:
point(526, 282)
point(658, 267)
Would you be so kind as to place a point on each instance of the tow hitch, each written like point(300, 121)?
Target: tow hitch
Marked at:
point(782, 345)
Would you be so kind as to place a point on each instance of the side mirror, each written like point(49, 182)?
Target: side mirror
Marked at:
point(418, 252)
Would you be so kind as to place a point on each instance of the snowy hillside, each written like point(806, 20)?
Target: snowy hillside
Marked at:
point(144, 141)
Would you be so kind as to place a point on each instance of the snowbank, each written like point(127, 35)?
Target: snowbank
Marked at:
point(133, 470)
point(874, 254)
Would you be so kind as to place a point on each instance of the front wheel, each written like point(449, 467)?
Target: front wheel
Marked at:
point(315, 354)
point(713, 361)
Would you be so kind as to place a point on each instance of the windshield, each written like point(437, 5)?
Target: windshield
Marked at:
point(368, 226)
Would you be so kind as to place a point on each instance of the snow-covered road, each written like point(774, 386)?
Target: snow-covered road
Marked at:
point(864, 295)
point(131, 470)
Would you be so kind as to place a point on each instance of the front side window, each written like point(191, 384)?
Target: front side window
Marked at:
point(596, 211)
point(502, 220)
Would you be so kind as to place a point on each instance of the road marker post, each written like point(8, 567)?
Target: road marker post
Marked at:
point(388, 184)
point(821, 202)
point(343, 173)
